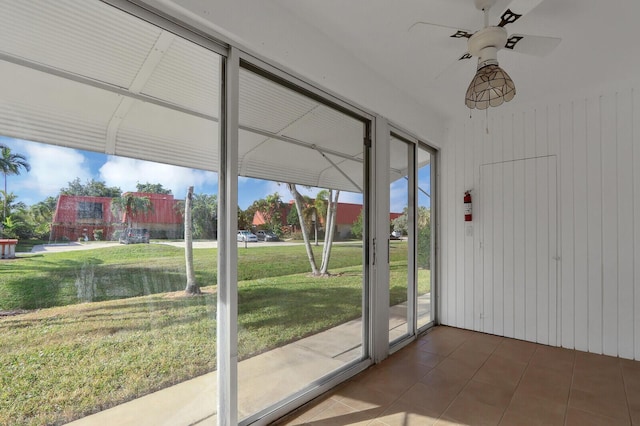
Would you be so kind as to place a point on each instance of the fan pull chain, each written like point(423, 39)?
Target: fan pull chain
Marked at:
point(486, 111)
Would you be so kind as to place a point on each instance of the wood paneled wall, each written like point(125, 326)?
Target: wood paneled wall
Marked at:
point(596, 145)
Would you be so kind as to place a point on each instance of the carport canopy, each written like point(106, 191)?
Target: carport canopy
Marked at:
point(82, 74)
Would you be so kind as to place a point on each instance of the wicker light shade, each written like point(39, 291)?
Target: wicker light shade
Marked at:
point(491, 86)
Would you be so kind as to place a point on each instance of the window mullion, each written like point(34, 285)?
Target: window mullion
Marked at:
point(227, 314)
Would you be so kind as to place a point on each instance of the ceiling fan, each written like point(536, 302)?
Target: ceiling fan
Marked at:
point(491, 86)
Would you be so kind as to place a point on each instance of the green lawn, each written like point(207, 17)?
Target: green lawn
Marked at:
point(64, 362)
point(60, 279)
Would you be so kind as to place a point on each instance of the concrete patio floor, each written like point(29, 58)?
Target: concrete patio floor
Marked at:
point(262, 380)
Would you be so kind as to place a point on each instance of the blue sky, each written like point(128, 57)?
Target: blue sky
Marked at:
point(53, 167)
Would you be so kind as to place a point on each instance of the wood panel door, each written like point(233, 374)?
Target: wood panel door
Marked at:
point(519, 249)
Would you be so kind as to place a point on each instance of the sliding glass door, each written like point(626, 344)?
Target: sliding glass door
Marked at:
point(300, 242)
point(425, 241)
point(117, 120)
point(400, 255)
point(411, 246)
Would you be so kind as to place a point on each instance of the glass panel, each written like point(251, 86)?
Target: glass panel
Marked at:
point(424, 240)
point(299, 319)
point(398, 240)
point(93, 309)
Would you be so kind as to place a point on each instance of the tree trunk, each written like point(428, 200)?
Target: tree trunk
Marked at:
point(192, 286)
point(4, 207)
point(329, 231)
point(300, 206)
point(315, 228)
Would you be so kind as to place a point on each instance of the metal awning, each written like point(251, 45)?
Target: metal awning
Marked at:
point(84, 75)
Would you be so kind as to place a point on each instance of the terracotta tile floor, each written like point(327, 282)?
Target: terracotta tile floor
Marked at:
point(457, 377)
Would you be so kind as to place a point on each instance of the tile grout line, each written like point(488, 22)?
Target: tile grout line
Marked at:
point(573, 375)
point(470, 378)
point(457, 343)
point(433, 368)
point(624, 387)
point(595, 412)
point(517, 384)
point(445, 358)
point(419, 343)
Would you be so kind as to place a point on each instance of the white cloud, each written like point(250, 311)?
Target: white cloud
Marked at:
point(52, 168)
point(252, 189)
point(350, 197)
point(345, 197)
point(126, 173)
point(398, 196)
point(281, 188)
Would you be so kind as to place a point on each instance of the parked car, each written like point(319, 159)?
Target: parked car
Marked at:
point(246, 236)
point(266, 236)
point(134, 235)
point(395, 235)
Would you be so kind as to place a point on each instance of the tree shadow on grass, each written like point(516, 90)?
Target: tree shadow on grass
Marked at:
point(42, 286)
point(290, 314)
point(67, 282)
point(107, 319)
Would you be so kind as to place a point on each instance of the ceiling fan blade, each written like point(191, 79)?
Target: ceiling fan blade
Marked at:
point(532, 45)
point(516, 9)
point(454, 65)
point(456, 29)
point(461, 34)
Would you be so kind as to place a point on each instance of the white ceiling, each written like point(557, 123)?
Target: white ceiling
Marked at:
point(363, 51)
point(599, 45)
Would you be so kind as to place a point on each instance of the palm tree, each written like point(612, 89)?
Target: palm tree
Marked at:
point(311, 214)
point(10, 164)
point(319, 211)
point(130, 205)
point(192, 286)
point(300, 206)
point(42, 216)
point(325, 206)
point(204, 212)
point(329, 228)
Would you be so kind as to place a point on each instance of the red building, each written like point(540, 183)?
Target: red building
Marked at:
point(164, 218)
point(78, 217)
point(346, 215)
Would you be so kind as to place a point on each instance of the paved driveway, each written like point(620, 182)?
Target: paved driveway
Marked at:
point(51, 248)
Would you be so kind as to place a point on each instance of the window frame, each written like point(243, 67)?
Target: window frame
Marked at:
point(376, 201)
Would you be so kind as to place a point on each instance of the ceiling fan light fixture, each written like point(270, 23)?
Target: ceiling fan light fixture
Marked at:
point(491, 86)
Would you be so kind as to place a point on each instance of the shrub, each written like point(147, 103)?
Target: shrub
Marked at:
point(296, 235)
